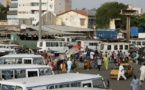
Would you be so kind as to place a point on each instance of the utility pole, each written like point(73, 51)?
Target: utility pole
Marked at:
point(40, 24)
point(128, 13)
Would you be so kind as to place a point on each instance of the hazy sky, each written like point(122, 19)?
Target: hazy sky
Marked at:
point(89, 4)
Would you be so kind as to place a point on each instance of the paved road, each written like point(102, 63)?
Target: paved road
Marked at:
point(114, 84)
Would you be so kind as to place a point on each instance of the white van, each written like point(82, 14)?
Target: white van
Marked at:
point(55, 81)
point(138, 43)
point(109, 47)
point(16, 71)
point(55, 45)
point(91, 44)
point(22, 59)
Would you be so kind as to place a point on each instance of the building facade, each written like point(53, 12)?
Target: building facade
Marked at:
point(28, 10)
point(12, 13)
point(77, 18)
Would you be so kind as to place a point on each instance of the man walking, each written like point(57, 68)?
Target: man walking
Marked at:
point(121, 72)
point(99, 63)
point(142, 72)
point(135, 83)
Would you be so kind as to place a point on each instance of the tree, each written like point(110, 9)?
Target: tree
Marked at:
point(138, 21)
point(108, 11)
point(3, 12)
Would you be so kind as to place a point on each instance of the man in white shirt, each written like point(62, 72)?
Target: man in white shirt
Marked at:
point(142, 72)
point(121, 72)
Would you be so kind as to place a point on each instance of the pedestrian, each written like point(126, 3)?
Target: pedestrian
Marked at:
point(135, 83)
point(99, 63)
point(142, 72)
point(121, 72)
point(63, 66)
point(106, 61)
point(69, 64)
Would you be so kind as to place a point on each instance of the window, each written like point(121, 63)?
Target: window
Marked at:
point(48, 44)
point(82, 21)
point(134, 43)
point(138, 43)
point(115, 47)
point(7, 87)
point(109, 47)
point(38, 61)
point(143, 43)
point(27, 61)
point(102, 46)
point(7, 74)
point(121, 47)
point(93, 44)
point(54, 44)
point(41, 44)
point(20, 74)
point(126, 47)
point(19, 88)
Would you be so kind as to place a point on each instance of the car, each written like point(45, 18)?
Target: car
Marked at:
point(128, 71)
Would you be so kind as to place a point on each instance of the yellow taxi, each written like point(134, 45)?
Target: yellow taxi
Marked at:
point(128, 70)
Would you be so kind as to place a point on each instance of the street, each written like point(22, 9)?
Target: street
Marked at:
point(114, 84)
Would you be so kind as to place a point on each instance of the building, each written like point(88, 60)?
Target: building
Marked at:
point(28, 10)
point(12, 13)
point(6, 3)
point(77, 18)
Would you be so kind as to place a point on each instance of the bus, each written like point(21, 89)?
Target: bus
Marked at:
point(16, 71)
point(109, 47)
point(56, 81)
point(22, 59)
point(10, 46)
point(53, 44)
point(138, 43)
point(91, 44)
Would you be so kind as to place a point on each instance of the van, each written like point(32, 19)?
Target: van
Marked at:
point(51, 82)
point(53, 44)
point(22, 59)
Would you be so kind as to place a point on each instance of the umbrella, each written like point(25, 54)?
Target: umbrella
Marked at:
point(77, 46)
point(72, 51)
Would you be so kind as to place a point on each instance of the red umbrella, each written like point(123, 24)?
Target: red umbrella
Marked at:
point(77, 46)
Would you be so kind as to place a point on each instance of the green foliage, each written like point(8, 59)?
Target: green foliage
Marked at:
point(108, 11)
point(138, 21)
point(3, 12)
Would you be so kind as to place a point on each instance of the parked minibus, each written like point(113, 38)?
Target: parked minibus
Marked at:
point(15, 71)
point(91, 44)
point(56, 81)
point(138, 43)
point(109, 47)
point(10, 46)
point(22, 59)
point(53, 44)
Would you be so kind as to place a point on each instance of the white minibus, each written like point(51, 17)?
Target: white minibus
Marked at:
point(53, 44)
point(55, 81)
point(109, 47)
point(91, 44)
point(138, 43)
point(22, 59)
point(15, 71)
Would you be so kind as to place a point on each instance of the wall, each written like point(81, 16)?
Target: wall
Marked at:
point(3, 22)
point(72, 19)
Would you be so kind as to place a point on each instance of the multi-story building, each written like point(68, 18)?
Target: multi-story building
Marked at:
point(12, 13)
point(6, 3)
point(28, 10)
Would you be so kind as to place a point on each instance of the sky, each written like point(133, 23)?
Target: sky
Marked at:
point(89, 4)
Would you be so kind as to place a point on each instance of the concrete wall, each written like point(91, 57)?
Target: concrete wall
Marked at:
point(72, 19)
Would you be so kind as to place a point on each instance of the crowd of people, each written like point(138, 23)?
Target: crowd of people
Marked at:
point(94, 59)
